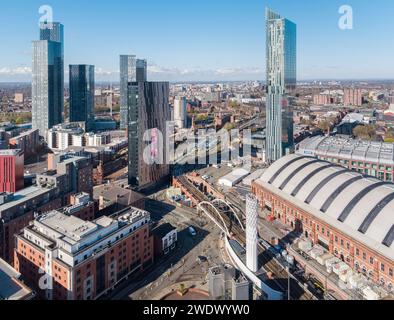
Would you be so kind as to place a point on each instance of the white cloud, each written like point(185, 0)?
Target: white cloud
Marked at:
point(155, 73)
point(7, 71)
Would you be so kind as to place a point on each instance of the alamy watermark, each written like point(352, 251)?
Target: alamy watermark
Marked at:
point(346, 20)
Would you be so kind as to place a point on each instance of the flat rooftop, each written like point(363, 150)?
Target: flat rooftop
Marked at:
point(72, 228)
point(23, 196)
point(10, 286)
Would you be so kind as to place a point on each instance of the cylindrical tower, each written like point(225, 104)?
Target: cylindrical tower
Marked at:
point(251, 233)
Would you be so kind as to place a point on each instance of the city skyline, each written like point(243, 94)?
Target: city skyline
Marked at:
point(325, 51)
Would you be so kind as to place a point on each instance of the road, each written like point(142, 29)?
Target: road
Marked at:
point(180, 266)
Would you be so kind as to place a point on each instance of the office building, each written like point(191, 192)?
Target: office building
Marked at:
point(131, 70)
point(281, 61)
point(11, 170)
point(344, 212)
point(82, 95)
point(48, 78)
point(82, 260)
point(149, 110)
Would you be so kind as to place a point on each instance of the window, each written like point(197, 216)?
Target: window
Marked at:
point(364, 256)
point(357, 252)
point(371, 260)
point(391, 272)
point(382, 267)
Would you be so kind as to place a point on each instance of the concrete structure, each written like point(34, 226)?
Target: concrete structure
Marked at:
point(252, 233)
point(281, 81)
point(348, 214)
point(148, 111)
point(11, 286)
point(82, 95)
point(48, 78)
point(131, 70)
point(11, 170)
point(82, 260)
point(226, 283)
point(370, 158)
point(180, 113)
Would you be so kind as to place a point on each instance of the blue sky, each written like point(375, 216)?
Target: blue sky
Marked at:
point(203, 39)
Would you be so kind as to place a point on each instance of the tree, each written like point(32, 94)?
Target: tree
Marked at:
point(324, 126)
point(229, 126)
point(19, 120)
point(366, 132)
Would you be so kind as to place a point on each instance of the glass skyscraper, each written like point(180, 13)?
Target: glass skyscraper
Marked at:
point(131, 70)
point(82, 94)
point(281, 74)
point(149, 111)
point(48, 78)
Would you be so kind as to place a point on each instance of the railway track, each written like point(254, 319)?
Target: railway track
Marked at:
point(266, 259)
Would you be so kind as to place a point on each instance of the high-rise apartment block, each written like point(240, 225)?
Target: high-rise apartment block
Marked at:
point(82, 95)
point(131, 70)
point(281, 82)
point(148, 112)
point(11, 170)
point(48, 78)
point(82, 260)
point(352, 97)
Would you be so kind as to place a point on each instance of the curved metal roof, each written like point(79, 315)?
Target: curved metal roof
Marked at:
point(359, 206)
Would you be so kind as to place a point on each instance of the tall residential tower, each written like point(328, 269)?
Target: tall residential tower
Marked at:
point(148, 113)
point(281, 73)
point(131, 70)
point(48, 77)
point(82, 94)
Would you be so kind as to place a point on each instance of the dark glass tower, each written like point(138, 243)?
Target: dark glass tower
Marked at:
point(131, 70)
point(82, 94)
point(148, 113)
point(48, 78)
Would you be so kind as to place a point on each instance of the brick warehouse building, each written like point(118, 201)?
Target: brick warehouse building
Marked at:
point(80, 260)
point(349, 214)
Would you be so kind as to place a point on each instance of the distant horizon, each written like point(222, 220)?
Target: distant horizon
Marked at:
point(228, 81)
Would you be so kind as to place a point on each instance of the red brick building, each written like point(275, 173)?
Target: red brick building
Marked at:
point(349, 214)
point(17, 210)
point(65, 258)
point(11, 170)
